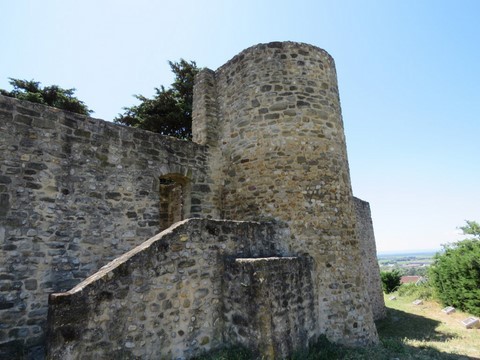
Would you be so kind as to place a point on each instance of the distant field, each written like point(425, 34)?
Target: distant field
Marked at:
point(411, 263)
point(407, 254)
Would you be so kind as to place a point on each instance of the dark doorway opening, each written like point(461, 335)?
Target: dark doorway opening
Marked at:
point(174, 199)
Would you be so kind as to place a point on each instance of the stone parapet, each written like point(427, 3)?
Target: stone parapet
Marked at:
point(161, 300)
point(269, 304)
point(371, 269)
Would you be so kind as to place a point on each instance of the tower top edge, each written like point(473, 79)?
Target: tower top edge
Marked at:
point(281, 45)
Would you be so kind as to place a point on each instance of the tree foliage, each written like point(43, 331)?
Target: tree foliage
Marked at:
point(455, 273)
point(472, 228)
point(390, 280)
point(53, 95)
point(169, 112)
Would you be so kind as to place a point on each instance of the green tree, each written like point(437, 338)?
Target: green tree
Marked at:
point(169, 112)
point(455, 273)
point(53, 95)
point(390, 280)
point(472, 228)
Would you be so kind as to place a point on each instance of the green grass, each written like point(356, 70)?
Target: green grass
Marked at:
point(231, 353)
point(408, 332)
point(426, 329)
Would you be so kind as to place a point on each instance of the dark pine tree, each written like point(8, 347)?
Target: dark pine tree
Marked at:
point(169, 112)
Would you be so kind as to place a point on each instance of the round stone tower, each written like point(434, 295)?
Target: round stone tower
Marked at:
point(272, 119)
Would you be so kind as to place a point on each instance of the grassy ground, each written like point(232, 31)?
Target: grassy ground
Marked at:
point(419, 328)
point(420, 332)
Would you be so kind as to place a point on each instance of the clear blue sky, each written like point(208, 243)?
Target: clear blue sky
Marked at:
point(408, 71)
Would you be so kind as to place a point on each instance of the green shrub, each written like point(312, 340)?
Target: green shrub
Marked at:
point(390, 280)
point(455, 275)
point(420, 291)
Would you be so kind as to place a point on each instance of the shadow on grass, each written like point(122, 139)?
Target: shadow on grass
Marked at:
point(400, 325)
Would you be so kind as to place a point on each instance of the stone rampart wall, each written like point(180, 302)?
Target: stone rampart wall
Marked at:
point(76, 192)
point(368, 248)
point(163, 299)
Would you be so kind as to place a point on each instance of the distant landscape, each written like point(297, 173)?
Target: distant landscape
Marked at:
point(411, 263)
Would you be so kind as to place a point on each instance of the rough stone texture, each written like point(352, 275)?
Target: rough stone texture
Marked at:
point(205, 109)
point(282, 155)
point(164, 299)
point(371, 270)
point(269, 304)
point(77, 192)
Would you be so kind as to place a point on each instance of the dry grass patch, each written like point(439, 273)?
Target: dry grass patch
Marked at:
point(426, 326)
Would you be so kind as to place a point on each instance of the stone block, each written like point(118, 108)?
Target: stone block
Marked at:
point(257, 298)
point(5, 179)
point(31, 284)
point(4, 204)
point(43, 123)
point(471, 322)
point(448, 310)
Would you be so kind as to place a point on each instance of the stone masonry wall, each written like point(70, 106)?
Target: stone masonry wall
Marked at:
point(371, 270)
point(283, 156)
point(161, 300)
point(76, 192)
point(269, 304)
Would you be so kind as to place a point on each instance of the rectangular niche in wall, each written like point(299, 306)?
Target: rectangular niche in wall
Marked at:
point(174, 199)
